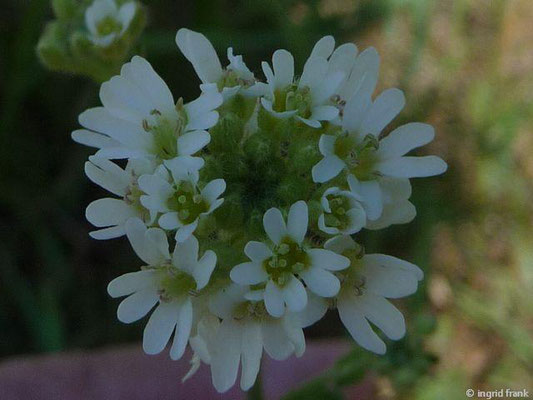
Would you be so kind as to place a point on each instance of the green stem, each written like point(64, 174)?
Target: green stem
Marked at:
point(256, 392)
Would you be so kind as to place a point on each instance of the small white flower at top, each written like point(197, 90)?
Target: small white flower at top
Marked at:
point(343, 212)
point(177, 196)
point(106, 21)
point(366, 284)
point(280, 266)
point(169, 281)
point(309, 98)
point(140, 118)
point(199, 51)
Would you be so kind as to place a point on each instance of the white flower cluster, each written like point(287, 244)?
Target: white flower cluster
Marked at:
point(302, 165)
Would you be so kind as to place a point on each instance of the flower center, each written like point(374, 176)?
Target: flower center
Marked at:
point(166, 131)
point(339, 206)
point(254, 309)
point(289, 258)
point(231, 79)
point(108, 25)
point(294, 98)
point(187, 202)
point(175, 283)
point(359, 157)
point(133, 198)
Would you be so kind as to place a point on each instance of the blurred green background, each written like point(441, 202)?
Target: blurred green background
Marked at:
point(466, 67)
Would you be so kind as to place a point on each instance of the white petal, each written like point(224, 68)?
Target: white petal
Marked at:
point(364, 74)
point(274, 225)
point(324, 47)
point(395, 189)
point(327, 168)
point(248, 273)
point(226, 355)
point(200, 52)
point(401, 212)
point(275, 340)
point(159, 327)
point(313, 123)
point(185, 255)
point(137, 305)
point(314, 311)
point(314, 72)
point(326, 145)
point(127, 133)
point(257, 251)
point(412, 167)
point(251, 349)
point(107, 175)
point(192, 142)
point(355, 110)
point(169, 221)
point(131, 282)
point(184, 167)
point(321, 282)
point(283, 64)
point(213, 189)
point(388, 282)
point(384, 315)
point(294, 295)
point(329, 86)
point(354, 321)
point(395, 263)
point(324, 113)
point(203, 270)
point(135, 230)
point(158, 239)
point(297, 221)
point(274, 300)
point(404, 139)
point(327, 259)
point(383, 110)
point(108, 212)
point(370, 191)
point(343, 59)
point(93, 139)
point(183, 330)
point(108, 233)
point(185, 231)
point(126, 13)
point(340, 244)
point(357, 218)
point(209, 100)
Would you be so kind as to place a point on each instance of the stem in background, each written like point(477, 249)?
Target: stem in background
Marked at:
point(256, 392)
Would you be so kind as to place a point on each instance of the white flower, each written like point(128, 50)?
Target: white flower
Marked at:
point(360, 71)
point(140, 118)
point(112, 213)
point(106, 22)
point(366, 285)
point(167, 281)
point(367, 159)
point(343, 212)
point(308, 99)
point(281, 266)
point(199, 51)
point(178, 198)
point(246, 329)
